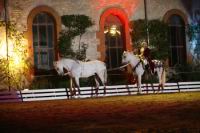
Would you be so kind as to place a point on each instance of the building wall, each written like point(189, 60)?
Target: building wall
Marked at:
point(156, 9)
point(19, 11)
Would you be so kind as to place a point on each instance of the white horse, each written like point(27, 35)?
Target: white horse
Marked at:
point(138, 68)
point(78, 69)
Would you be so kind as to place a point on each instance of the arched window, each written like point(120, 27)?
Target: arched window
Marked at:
point(43, 32)
point(113, 41)
point(177, 40)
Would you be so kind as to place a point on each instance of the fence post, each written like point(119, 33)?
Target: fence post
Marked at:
point(147, 88)
point(67, 93)
point(129, 92)
point(179, 90)
point(21, 95)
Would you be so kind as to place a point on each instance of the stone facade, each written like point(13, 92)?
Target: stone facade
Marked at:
point(19, 10)
point(156, 9)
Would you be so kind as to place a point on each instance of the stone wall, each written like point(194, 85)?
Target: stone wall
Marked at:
point(20, 9)
point(156, 9)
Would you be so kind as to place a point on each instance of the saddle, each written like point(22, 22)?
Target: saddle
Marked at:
point(148, 64)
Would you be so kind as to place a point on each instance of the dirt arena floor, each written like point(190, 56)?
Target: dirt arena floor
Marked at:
point(158, 113)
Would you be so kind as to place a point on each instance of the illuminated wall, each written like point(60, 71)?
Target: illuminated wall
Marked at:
point(19, 10)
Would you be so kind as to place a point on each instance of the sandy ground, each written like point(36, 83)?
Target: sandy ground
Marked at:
point(163, 113)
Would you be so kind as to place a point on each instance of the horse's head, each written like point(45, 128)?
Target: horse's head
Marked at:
point(125, 57)
point(58, 67)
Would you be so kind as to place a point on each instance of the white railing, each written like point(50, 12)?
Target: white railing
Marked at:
point(87, 92)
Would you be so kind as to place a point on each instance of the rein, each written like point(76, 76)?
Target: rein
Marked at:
point(137, 65)
point(117, 68)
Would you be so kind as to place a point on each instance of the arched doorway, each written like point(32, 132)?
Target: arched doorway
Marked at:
point(177, 40)
point(123, 19)
point(176, 21)
point(114, 40)
point(43, 29)
point(44, 25)
point(114, 36)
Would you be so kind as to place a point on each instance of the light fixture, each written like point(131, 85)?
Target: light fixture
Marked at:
point(112, 30)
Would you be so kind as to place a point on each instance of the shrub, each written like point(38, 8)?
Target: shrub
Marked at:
point(75, 25)
point(158, 37)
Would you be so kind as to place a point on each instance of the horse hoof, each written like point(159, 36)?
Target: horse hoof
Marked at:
point(73, 97)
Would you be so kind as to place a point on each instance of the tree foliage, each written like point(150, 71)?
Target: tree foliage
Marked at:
point(14, 65)
point(193, 32)
point(158, 37)
point(75, 25)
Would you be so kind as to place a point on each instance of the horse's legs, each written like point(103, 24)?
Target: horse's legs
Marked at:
point(139, 84)
point(163, 78)
point(97, 85)
point(159, 72)
point(71, 86)
point(160, 86)
point(74, 86)
point(77, 84)
point(103, 80)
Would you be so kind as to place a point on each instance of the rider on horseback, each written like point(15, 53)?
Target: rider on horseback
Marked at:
point(145, 55)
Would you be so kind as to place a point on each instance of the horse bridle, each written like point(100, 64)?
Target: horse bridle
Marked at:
point(118, 68)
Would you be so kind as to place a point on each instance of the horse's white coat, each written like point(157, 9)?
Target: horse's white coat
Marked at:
point(78, 69)
point(136, 64)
